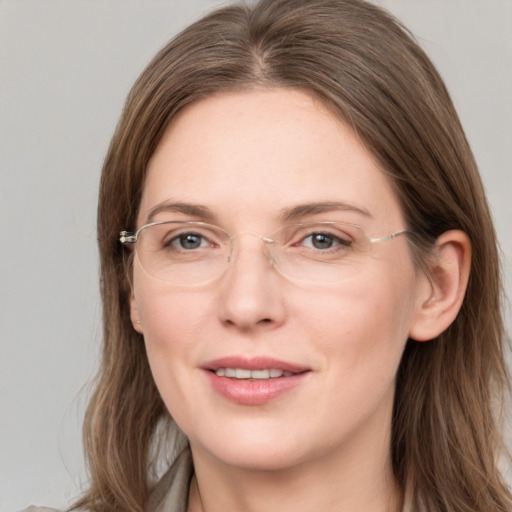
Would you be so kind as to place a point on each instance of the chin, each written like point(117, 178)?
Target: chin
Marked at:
point(258, 458)
point(260, 451)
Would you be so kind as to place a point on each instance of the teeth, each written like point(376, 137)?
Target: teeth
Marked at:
point(260, 374)
point(242, 373)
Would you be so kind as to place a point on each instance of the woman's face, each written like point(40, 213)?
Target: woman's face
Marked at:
point(248, 160)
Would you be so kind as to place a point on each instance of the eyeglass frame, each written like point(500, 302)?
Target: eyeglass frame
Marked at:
point(128, 238)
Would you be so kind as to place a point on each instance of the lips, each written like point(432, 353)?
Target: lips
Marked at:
point(253, 381)
point(254, 363)
point(242, 373)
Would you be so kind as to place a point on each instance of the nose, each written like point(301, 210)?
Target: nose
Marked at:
point(251, 291)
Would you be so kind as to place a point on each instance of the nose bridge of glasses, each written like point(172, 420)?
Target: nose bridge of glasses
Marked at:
point(268, 244)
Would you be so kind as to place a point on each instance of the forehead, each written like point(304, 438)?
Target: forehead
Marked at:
point(258, 152)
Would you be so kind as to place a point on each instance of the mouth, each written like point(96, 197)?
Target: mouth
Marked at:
point(243, 374)
point(253, 381)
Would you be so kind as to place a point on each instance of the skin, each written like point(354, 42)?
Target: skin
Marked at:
point(325, 444)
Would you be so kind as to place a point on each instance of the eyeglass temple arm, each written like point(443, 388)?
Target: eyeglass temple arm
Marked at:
point(127, 237)
point(390, 237)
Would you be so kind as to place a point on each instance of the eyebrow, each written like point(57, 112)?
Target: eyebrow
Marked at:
point(303, 210)
point(287, 214)
point(193, 210)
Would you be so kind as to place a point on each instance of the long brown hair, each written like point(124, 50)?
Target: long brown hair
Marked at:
point(366, 67)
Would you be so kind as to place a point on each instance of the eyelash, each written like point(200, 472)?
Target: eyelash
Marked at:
point(337, 242)
point(183, 236)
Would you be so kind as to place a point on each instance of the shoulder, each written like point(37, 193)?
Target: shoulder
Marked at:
point(171, 492)
point(33, 508)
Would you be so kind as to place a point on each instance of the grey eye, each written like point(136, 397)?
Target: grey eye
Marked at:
point(321, 241)
point(324, 241)
point(190, 241)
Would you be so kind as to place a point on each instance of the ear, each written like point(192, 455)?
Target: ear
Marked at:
point(134, 313)
point(448, 277)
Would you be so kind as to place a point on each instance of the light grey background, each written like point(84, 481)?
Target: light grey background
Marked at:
point(65, 68)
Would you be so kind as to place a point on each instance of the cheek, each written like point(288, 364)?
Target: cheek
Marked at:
point(362, 305)
point(171, 321)
point(165, 314)
point(362, 328)
point(172, 325)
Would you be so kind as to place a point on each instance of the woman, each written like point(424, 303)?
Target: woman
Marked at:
point(299, 270)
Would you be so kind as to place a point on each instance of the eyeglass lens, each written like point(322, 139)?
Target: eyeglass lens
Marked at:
point(184, 253)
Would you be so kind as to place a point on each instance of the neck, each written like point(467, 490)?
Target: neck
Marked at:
point(333, 482)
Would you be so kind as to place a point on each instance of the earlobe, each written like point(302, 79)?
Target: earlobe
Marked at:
point(134, 313)
point(448, 278)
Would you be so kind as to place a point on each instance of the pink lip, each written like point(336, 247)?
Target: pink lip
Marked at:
point(254, 392)
point(254, 363)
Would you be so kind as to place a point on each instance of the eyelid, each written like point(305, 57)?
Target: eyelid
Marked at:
point(281, 235)
point(329, 228)
point(210, 234)
point(338, 239)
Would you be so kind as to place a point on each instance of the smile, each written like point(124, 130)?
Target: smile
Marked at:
point(254, 380)
point(242, 373)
